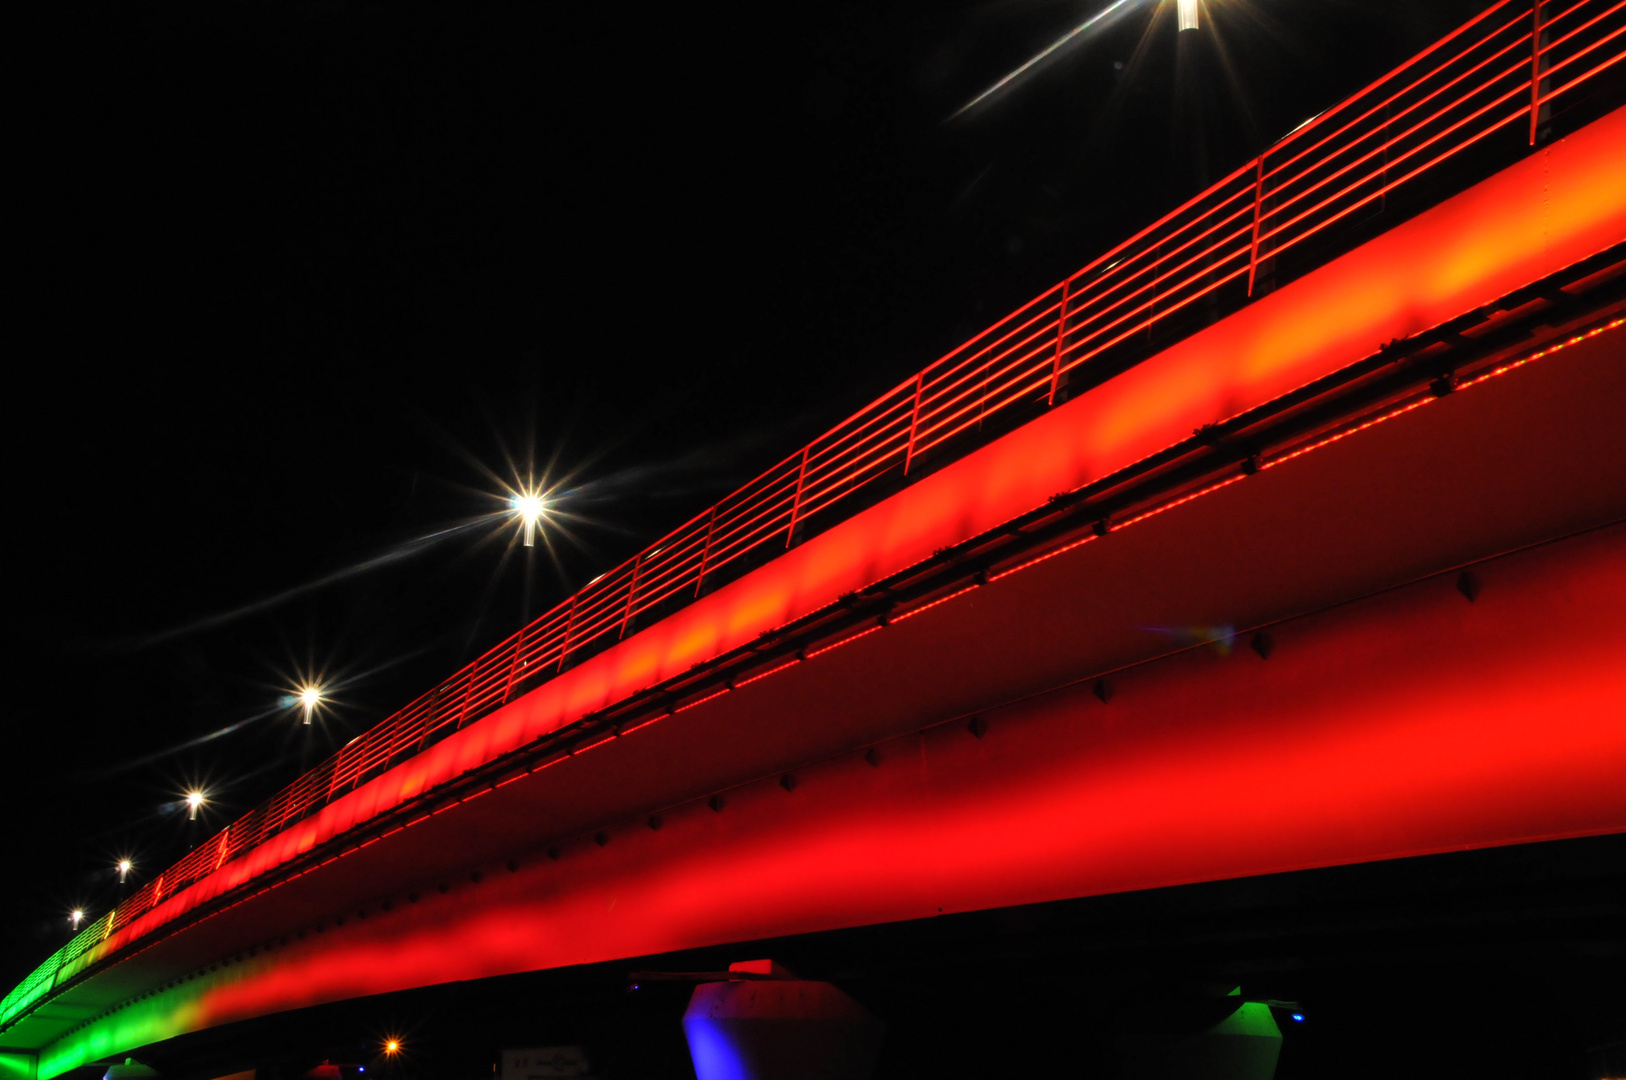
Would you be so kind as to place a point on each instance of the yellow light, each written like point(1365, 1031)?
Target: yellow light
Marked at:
point(531, 507)
point(392, 1046)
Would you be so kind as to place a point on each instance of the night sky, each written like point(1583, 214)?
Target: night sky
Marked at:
point(298, 287)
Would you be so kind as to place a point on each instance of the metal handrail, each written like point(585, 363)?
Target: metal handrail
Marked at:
point(1505, 65)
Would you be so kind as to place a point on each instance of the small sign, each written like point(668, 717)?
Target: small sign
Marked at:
point(545, 1063)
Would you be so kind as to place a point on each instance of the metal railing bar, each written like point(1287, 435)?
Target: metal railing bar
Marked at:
point(1549, 23)
point(1316, 121)
point(1084, 315)
point(1241, 251)
point(1082, 298)
point(1392, 185)
point(1560, 65)
point(1515, 22)
point(1573, 83)
point(1517, 67)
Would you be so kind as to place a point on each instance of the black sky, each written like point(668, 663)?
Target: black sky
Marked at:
point(289, 278)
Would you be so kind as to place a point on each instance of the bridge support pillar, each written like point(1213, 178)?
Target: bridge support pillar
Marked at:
point(18, 1065)
point(778, 1027)
point(1244, 1045)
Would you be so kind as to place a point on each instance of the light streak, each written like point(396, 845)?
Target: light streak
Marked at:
point(1045, 53)
point(402, 551)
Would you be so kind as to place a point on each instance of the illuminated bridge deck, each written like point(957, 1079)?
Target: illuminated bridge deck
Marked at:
point(997, 530)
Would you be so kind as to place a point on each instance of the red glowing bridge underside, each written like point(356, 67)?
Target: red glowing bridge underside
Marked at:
point(1068, 361)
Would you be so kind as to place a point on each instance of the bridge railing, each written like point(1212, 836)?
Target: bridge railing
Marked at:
point(1447, 117)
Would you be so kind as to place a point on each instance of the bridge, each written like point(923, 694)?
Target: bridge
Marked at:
point(1312, 490)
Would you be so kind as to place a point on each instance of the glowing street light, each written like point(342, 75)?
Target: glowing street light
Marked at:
point(76, 917)
point(310, 697)
point(194, 799)
point(124, 869)
point(1186, 10)
point(531, 507)
point(392, 1047)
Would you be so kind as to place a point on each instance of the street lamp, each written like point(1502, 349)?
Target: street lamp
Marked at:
point(530, 506)
point(76, 916)
point(194, 799)
point(124, 869)
point(310, 697)
point(1186, 10)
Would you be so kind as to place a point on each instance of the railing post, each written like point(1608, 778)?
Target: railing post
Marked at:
point(914, 423)
point(1258, 202)
point(428, 725)
point(1061, 339)
point(1535, 69)
point(705, 550)
point(632, 591)
point(338, 759)
point(513, 665)
point(796, 503)
point(570, 625)
point(468, 698)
